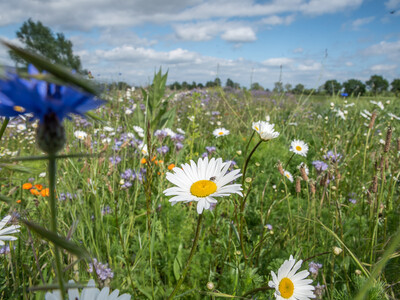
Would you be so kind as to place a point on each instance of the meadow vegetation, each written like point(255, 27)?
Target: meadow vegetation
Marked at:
point(339, 212)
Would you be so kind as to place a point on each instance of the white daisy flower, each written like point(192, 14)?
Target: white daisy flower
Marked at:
point(80, 135)
point(299, 147)
point(291, 286)
point(108, 129)
point(288, 175)
point(180, 130)
point(202, 182)
point(169, 132)
point(143, 149)
point(21, 127)
point(265, 130)
point(4, 233)
point(139, 130)
point(393, 116)
point(88, 293)
point(220, 132)
point(128, 111)
point(366, 114)
point(379, 104)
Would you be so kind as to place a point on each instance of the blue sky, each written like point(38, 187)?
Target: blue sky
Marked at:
point(299, 41)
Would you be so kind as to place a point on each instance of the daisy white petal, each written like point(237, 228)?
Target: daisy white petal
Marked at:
point(290, 285)
point(202, 182)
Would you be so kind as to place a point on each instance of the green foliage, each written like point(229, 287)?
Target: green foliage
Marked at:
point(377, 84)
point(395, 86)
point(354, 87)
point(332, 87)
point(41, 40)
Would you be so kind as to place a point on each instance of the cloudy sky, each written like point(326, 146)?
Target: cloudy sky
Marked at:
point(295, 41)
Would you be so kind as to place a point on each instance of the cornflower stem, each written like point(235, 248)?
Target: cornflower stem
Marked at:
point(192, 251)
point(52, 168)
point(3, 127)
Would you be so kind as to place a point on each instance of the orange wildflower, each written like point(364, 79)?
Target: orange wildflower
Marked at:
point(143, 161)
point(34, 192)
point(154, 158)
point(39, 186)
point(27, 186)
point(45, 192)
point(160, 161)
point(19, 201)
point(171, 166)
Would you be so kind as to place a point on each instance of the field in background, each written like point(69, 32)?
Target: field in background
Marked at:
point(340, 222)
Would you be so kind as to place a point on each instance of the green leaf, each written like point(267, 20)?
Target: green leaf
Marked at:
point(17, 168)
point(6, 199)
point(178, 263)
point(57, 240)
point(55, 69)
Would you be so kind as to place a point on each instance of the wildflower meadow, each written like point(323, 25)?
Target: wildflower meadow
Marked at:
point(212, 193)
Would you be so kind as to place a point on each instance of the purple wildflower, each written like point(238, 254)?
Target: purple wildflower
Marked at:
point(178, 146)
point(102, 270)
point(319, 165)
point(314, 267)
point(115, 160)
point(330, 156)
point(211, 149)
point(163, 150)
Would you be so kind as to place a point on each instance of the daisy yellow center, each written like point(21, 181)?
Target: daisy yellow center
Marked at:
point(203, 188)
point(257, 129)
point(286, 288)
point(221, 133)
point(287, 175)
point(19, 108)
point(298, 148)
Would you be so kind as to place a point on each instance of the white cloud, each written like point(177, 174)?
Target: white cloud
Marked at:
point(309, 65)
point(319, 7)
point(239, 35)
point(276, 20)
point(383, 68)
point(298, 50)
point(356, 24)
point(392, 4)
point(389, 49)
point(277, 62)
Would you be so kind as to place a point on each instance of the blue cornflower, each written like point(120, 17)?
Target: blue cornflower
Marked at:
point(41, 98)
point(211, 149)
point(163, 149)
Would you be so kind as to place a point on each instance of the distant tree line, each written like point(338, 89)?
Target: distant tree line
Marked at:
point(352, 87)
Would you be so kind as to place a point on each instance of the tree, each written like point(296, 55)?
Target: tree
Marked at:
point(256, 87)
point(40, 39)
point(377, 84)
point(298, 89)
point(332, 87)
point(354, 87)
point(229, 83)
point(217, 82)
point(288, 87)
point(395, 86)
point(278, 87)
point(175, 86)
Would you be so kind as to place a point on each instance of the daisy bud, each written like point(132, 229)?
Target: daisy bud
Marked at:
point(358, 272)
point(50, 135)
point(210, 286)
point(337, 250)
point(372, 120)
point(388, 139)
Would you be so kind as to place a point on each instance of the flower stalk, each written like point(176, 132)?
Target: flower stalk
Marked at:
point(52, 168)
point(192, 251)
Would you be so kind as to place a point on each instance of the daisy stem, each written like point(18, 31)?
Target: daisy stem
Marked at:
point(289, 161)
point(248, 160)
point(53, 209)
point(4, 126)
point(192, 251)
